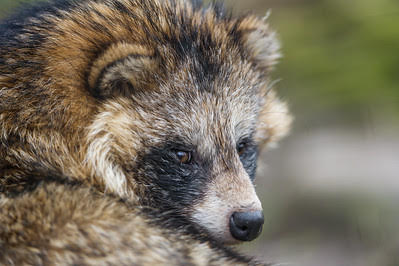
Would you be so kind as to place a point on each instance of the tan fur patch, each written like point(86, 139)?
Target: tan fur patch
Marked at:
point(274, 120)
point(111, 127)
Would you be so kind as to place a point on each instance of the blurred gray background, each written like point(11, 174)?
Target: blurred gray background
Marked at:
point(330, 189)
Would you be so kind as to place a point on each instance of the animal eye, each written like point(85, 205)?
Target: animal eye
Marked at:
point(183, 156)
point(241, 147)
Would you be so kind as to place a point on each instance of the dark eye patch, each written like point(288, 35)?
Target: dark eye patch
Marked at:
point(248, 152)
point(173, 175)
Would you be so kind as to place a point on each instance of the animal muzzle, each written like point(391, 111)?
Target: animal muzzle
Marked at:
point(230, 210)
point(246, 226)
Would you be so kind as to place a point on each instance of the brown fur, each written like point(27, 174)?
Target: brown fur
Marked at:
point(91, 91)
point(69, 225)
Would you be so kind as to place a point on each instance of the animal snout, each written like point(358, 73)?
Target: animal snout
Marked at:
point(246, 226)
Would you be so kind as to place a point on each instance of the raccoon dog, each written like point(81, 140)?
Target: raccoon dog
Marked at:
point(163, 104)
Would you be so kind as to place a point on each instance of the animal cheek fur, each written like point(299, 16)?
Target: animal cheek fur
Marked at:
point(111, 143)
point(274, 121)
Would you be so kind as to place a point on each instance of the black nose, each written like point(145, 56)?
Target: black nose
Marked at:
point(246, 226)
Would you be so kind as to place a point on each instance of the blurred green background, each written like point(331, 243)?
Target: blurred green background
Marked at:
point(330, 191)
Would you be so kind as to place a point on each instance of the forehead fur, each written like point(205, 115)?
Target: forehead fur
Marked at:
point(174, 30)
point(179, 46)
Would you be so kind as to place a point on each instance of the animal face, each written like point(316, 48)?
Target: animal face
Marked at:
point(185, 135)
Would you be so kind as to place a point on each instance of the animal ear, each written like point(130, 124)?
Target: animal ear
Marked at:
point(120, 70)
point(260, 42)
point(262, 48)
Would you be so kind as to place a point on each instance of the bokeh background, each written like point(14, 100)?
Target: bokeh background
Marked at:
point(330, 190)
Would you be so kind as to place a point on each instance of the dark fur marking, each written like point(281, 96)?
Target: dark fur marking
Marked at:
point(121, 7)
point(249, 157)
point(14, 185)
point(172, 184)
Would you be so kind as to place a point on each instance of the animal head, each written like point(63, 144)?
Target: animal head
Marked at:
point(174, 102)
point(183, 117)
